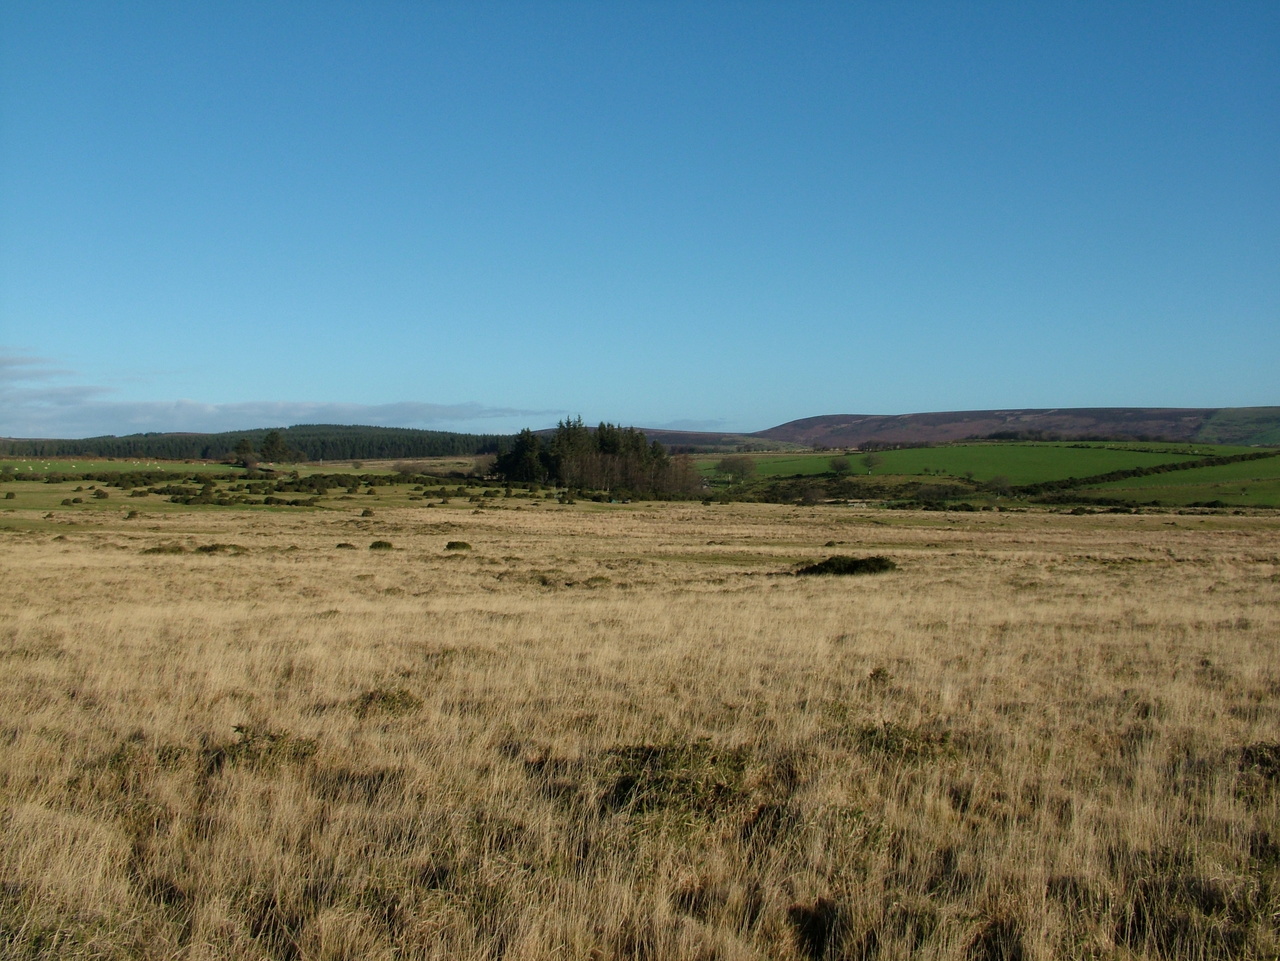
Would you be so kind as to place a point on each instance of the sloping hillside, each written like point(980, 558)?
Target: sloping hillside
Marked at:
point(1239, 425)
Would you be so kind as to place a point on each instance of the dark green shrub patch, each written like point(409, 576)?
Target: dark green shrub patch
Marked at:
point(259, 749)
point(221, 548)
point(385, 701)
point(694, 777)
point(903, 742)
point(1262, 760)
point(876, 564)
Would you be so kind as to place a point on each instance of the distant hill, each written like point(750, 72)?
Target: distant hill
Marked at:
point(1210, 425)
point(1206, 425)
point(679, 441)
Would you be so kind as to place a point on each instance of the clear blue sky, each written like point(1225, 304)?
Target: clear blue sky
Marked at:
point(725, 215)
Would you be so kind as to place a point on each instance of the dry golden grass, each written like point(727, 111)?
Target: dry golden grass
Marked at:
point(627, 733)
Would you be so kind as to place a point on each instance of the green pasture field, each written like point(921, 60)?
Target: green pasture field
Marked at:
point(1020, 463)
point(1256, 422)
point(776, 465)
point(1253, 483)
point(49, 497)
point(1263, 493)
point(435, 466)
point(27, 487)
point(178, 468)
point(1024, 463)
point(38, 495)
point(34, 467)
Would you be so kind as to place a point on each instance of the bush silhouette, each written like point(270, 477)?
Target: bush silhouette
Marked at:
point(850, 565)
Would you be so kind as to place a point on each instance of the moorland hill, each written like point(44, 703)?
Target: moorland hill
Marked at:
point(328, 442)
point(1206, 425)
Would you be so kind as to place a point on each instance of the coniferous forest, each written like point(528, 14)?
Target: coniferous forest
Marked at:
point(609, 458)
point(303, 441)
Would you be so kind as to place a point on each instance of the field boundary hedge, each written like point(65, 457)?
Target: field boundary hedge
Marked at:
point(1073, 483)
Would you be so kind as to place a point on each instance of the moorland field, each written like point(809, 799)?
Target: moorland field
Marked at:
point(514, 728)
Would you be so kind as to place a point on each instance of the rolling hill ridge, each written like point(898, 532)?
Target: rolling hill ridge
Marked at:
point(1259, 426)
point(1207, 425)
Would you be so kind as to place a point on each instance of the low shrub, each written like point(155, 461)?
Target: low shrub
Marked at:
point(457, 546)
point(380, 546)
point(876, 564)
point(385, 701)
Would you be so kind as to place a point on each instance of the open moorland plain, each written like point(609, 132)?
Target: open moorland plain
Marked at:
point(516, 728)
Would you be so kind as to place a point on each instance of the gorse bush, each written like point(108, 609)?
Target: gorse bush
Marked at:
point(850, 565)
point(385, 701)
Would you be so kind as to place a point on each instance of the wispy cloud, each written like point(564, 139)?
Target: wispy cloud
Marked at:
point(17, 367)
point(34, 404)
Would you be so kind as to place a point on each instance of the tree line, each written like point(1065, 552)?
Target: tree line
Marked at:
point(301, 442)
point(604, 458)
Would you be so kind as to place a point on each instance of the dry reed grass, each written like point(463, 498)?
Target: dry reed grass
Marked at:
point(627, 733)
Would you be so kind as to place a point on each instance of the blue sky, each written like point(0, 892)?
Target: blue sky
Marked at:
point(482, 216)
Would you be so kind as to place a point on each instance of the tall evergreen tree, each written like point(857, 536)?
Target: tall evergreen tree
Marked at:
point(526, 462)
